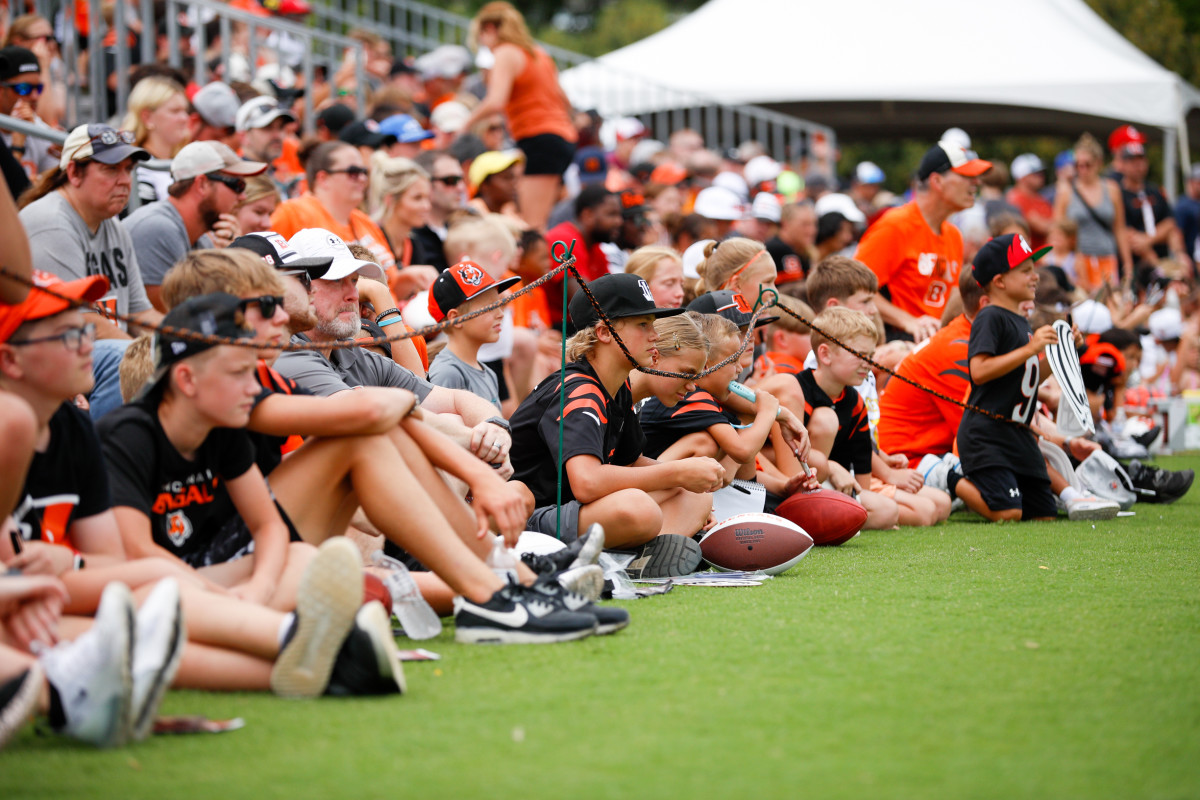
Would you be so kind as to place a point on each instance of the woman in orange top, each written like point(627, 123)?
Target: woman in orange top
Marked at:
point(400, 201)
point(523, 84)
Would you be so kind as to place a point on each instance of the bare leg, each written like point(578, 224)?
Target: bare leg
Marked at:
point(915, 512)
point(971, 495)
point(86, 585)
point(214, 669)
point(883, 513)
point(536, 196)
point(941, 501)
point(630, 518)
point(683, 512)
point(232, 573)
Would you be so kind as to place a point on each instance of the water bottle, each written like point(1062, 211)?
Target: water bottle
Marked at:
point(503, 562)
point(416, 616)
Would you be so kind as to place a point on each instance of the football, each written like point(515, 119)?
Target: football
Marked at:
point(830, 518)
point(374, 589)
point(755, 542)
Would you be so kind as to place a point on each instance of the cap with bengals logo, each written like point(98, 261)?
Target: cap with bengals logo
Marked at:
point(1003, 254)
point(730, 305)
point(39, 305)
point(459, 284)
point(950, 157)
point(275, 251)
point(620, 294)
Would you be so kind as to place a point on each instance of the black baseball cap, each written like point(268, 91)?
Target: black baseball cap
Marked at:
point(459, 284)
point(365, 133)
point(336, 118)
point(1002, 254)
point(950, 157)
point(620, 294)
point(730, 305)
point(17, 61)
point(216, 314)
point(275, 251)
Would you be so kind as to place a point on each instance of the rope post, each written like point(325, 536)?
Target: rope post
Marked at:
point(566, 259)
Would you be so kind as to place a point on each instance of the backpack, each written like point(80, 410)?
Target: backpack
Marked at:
point(1104, 477)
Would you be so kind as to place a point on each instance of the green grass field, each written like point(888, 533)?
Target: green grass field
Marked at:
point(966, 661)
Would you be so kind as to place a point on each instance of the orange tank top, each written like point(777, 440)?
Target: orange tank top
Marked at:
point(535, 103)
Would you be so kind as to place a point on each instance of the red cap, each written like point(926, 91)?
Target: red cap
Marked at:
point(668, 173)
point(459, 284)
point(1124, 136)
point(39, 304)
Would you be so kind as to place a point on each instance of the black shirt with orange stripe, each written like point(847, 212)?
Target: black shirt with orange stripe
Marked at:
point(852, 445)
point(664, 426)
point(594, 424)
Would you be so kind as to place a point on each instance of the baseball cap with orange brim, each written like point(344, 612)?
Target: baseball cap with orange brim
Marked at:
point(459, 284)
point(40, 304)
point(950, 157)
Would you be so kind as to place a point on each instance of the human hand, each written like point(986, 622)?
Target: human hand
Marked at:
point(490, 442)
point(374, 294)
point(23, 109)
point(39, 558)
point(1042, 337)
point(500, 504)
point(907, 480)
point(894, 460)
point(1081, 448)
point(801, 482)
point(794, 433)
point(30, 606)
point(225, 230)
point(701, 474)
point(921, 328)
point(255, 590)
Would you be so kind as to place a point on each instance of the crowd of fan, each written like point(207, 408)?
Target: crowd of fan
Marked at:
point(147, 548)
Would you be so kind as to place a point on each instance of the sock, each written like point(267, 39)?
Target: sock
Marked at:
point(1070, 493)
point(952, 479)
point(285, 628)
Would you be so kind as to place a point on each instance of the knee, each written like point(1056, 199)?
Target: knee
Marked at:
point(1007, 515)
point(526, 496)
point(300, 553)
point(884, 515)
point(699, 444)
point(941, 503)
point(636, 511)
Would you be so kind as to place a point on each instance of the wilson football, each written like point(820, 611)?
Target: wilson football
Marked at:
point(755, 542)
point(830, 518)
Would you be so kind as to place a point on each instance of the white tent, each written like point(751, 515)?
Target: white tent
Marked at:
point(880, 67)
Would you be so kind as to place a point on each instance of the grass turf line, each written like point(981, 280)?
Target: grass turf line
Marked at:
point(968, 660)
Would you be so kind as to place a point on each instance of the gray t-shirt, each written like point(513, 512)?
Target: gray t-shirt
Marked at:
point(347, 368)
point(450, 371)
point(37, 158)
point(62, 244)
point(160, 238)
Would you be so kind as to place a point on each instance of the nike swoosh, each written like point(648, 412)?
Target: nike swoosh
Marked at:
point(512, 619)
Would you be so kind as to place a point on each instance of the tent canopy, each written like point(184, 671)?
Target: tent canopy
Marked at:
point(873, 68)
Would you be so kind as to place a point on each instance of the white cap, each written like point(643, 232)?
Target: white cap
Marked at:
point(1166, 324)
point(868, 172)
point(627, 128)
point(692, 258)
point(761, 169)
point(717, 202)
point(259, 112)
point(416, 312)
point(645, 150)
point(843, 204)
point(734, 183)
point(444, 61)
point(1026, 164)
point(201, 158)
point(320, 243)
point(217, 104)
point(449, 117)
point(766, 206)
point(956, 136)
point(1091, 317)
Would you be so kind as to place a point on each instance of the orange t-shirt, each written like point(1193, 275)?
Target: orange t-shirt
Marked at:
point(530, 310)
point(783, 363)
point(918, 267)
point(915, 422)
point(307, 212)
point(535, 104)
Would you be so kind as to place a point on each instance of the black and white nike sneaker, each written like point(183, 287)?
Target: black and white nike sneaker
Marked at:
point(609, 619)
point(517, 615)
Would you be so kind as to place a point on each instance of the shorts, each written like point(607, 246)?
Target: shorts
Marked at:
point(233, 540)
point(881, 488)
point(546, 154)
point(1003, 490)
point(543, 520)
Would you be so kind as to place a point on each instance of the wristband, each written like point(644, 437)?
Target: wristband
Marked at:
point(389, 322)
point(78, 561)
point(500, 422)
point(382, 314)
point(18, 148)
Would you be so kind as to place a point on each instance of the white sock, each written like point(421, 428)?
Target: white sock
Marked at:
point(285, 626)
point(1070, 493)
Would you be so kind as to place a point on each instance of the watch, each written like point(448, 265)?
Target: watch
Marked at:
point(501, 422)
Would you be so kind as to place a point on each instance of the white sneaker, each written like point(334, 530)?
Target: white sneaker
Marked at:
point(157, 651)
point(1089, 507)
point(934, 470)
point(586, 581)
point(93, 674)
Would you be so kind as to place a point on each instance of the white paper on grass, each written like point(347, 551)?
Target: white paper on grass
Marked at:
point(1064, 362)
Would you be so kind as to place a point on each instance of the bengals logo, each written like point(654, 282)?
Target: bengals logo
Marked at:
point(179, 528)
point(470, 274)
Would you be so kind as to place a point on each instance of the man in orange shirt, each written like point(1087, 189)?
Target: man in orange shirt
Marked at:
point(915, 251)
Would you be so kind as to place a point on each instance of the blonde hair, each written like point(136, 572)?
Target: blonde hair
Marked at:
point(478, 239)
point(722, 260)
point(643, 262)
point(257, 187)
point(718, 331)
point(680, 332)
point(841, 323)
point(390, 178)
point(787, 322)
point(582, 343)
point(510, 26)
point(234, 270)
point(1089, 145)
point(149, 94)
point(838, 277)
point(137, 365)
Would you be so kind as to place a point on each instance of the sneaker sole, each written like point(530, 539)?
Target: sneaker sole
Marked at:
point(474, 635)
point(329, 596)
point(587, 582)
point(22, 704)
point(592, 547)
point(667, 556)
point(1093, 514)
point(605, 630)
point(144, 721)
point(374, 619)
point(124, 717)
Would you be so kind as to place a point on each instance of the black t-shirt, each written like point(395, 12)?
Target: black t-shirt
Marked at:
point(789, 265)
point(852, 445)
point(985, 442)
point(1134, 216)
point(594, 424)
point(268, 449)
point(664, 426)
point(428, 248)
point(185, 500)
point(65, 483)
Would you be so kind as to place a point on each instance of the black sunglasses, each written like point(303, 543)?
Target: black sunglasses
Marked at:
point(353, 172)
point(302, 276)
point(236, 185)
point(72, 338)
point(450, 180)
point(267, 304)
point(25, 89)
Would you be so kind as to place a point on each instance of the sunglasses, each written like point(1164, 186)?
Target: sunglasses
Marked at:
point(110, 137)
point(300, 275)
point(449, 180)
point(24, 89)
point(268, 304)
point(353, 172)
point(236, 185)
point(72, 338)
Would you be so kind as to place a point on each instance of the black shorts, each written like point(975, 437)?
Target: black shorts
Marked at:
point(1003, 490)
point(546, 154)
point(544, 519)
point(233, 540)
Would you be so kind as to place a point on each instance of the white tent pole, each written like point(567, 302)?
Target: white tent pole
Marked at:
point(1170, 136)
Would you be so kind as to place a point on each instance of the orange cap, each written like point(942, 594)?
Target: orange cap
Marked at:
point(39, 304)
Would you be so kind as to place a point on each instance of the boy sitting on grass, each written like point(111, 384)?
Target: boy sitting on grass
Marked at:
point(464, 288)
point(653, 507)
point(1004, 474)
